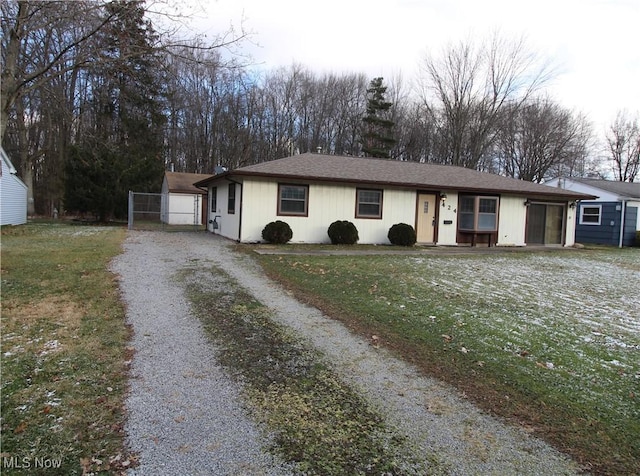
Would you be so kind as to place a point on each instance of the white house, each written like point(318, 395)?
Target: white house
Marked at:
point(613, 218)
point(446, 205)
point(182, 202)
point(13, 194)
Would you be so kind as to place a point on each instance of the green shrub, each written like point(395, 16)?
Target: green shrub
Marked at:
point(402, 234)
point(277, 232)
point(343, 232)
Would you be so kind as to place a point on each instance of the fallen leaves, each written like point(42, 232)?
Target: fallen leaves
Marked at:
point(20, 428)
point(375, 341)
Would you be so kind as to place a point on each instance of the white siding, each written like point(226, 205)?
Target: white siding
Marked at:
point(570, 226)
point(183, 208)
point(512, 221)
point(13, 196)
point(327, 203)
point(228, 223)
point(568, 184)
point(448, 213)
point(330, 202)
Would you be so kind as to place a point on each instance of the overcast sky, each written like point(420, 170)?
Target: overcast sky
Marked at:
point(594, 43)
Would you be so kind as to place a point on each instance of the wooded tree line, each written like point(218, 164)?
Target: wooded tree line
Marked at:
point(97, 100)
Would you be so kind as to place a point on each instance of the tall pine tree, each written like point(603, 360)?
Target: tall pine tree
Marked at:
point(122, 148)
point(377, 133)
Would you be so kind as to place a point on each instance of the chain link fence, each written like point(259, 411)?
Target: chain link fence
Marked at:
point(150, 211)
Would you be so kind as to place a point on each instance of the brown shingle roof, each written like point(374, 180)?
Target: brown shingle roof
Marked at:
point(181, 182)
point(335, 168)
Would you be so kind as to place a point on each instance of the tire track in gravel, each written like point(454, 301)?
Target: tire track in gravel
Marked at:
point(431, 413)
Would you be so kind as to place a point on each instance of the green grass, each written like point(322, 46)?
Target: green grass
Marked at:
point(315, 421)
point(549, 340)
point(63, 350)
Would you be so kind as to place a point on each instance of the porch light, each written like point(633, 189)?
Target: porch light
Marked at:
point(572, 204)
point(443, 198)
point(527, 202)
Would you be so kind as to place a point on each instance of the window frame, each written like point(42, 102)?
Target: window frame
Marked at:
point(477, 213)
point(582, 214)
point(359, 214)
point(287, 213)
point(231, 199)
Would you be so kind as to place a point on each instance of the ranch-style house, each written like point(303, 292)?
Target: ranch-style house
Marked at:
point(446, 205)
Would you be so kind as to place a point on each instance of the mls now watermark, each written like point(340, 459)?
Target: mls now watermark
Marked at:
point(31, 462)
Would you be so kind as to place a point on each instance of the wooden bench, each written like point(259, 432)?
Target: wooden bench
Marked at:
point(475, 234)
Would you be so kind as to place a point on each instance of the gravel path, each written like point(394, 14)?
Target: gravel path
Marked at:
point(184, 413)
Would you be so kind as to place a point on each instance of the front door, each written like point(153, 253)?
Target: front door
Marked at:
point(426, 218)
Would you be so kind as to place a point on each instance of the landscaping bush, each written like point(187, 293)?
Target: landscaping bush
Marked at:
point(343, 232)
point(277, 232)
point(402, 234)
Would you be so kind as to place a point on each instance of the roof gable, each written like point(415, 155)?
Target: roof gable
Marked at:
point(181, 182)
point(335, 168)
point(623, 189)
point(7, 162)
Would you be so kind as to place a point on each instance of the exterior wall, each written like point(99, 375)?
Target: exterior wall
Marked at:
point(181, 208)
point(228, 224)
point(330, 202)
point(13, 198)
point(327, 203)
point(635, 205)
point(631, 225)
point(511, 221)
point(184, 209)
point(571, 223)
point(608, 231)
point(448, 221)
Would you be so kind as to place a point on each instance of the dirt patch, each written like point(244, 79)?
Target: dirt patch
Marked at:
point(60, 310)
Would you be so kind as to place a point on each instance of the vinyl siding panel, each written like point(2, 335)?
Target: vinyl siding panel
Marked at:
point(511, 221)
point(326, 204)
point(630, 226)
point(448, 220)
point(607, 232)
point(13, 198)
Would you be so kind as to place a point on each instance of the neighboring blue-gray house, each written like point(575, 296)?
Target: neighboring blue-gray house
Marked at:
point(613, 218)
point(13, 194)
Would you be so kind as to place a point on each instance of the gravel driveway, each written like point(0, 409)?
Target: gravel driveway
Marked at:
point(186, 416)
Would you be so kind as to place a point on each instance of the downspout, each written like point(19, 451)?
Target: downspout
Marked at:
point(622, 217)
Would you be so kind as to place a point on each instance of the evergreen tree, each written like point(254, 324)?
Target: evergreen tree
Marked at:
point(377, 135)
point(122, 148)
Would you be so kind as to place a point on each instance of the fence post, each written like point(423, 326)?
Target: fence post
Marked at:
point(130, 212)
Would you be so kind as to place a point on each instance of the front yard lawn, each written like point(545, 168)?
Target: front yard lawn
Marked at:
point(63, 351)
point(548, 340)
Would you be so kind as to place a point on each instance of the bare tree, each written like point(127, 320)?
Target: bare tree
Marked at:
point(467, 87)
point(539, 136)
point(623, 141)
point(46, 47)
